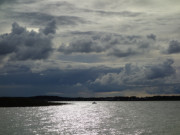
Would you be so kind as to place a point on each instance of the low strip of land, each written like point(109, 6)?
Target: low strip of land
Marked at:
point(26, 102)
point(118, 98)
point(48, 100)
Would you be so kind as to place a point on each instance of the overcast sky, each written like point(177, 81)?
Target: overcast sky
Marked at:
point(89, 48)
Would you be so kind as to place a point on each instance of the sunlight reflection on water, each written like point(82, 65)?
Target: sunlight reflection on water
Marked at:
point(85, 118)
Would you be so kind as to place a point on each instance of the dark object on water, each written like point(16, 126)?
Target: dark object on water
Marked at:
point(94, 102)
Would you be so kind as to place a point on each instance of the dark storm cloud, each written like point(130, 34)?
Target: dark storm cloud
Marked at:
point(144, 45)
point(81, 46)
point(22, 79)
point(23, 45)
point(174, 47)
point(151, 36)
point(96, 79)
point(88, 42)
point(120, 53)
point(161, 70)
point(38, 18)
point(51, 77)
point(111, 38)
point(138, 75)
point(136, 78)
point(125, 13)
point(111, 43)
point(6, 1)
point(111, 13)
point(50, 28)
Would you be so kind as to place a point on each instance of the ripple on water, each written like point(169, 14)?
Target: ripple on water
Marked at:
point(107, 118)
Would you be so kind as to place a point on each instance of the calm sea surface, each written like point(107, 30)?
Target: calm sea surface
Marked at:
point(85, 118)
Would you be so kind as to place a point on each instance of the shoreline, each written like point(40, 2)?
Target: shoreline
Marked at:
point(38, 101)
point(26, 102)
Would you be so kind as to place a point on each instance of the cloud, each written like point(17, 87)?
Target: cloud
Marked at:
point(82, 35)
point(6, 1)
point(38, 18)
point(124, 13)
point(174, 47)
point(129, 74)
point(21, 44)
point(50, 28)
point(162, 70)
point(108, 37)
point(120, 53)
point(151, 36)
point(81, 46)
point(111, 44)
point(112, 13)
point(60, 81)
point(79, 82)
point(135, 75)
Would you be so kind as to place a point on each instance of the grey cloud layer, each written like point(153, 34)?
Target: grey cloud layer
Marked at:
point(6, 1)
point(174, 47)
point(37, 18)
point(87, 44)
point(119, 53)
point(161, 71)
point(23, 45)
point(113, 44)
point(134, 75)
point(96, 79)
point(81, 46)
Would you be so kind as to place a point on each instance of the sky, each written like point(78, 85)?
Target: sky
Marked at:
point(94, 48)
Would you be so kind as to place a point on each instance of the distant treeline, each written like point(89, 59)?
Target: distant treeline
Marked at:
point(47, 100)
point(119, 98)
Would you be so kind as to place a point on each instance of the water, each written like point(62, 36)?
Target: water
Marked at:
point(85, 118)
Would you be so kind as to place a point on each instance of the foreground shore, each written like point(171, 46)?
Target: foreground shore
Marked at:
point(26, 102)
